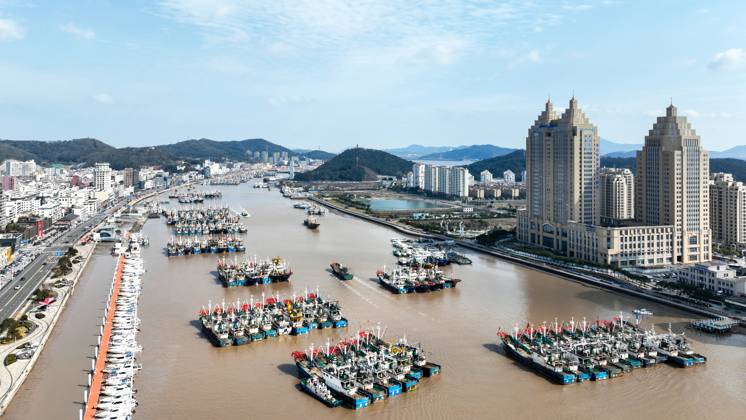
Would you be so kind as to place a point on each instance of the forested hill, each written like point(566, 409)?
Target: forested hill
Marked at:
point(358, 165)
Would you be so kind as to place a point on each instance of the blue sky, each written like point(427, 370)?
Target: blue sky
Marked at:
point(310, 73)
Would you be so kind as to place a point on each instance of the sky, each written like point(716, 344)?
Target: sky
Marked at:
point(385, 73)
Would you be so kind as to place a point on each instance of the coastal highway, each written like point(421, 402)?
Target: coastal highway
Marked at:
point(10, 298)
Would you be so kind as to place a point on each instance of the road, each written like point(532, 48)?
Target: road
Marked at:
point(34, 273)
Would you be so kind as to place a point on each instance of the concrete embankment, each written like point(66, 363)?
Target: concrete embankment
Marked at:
point(13, 379)
point(584, 278)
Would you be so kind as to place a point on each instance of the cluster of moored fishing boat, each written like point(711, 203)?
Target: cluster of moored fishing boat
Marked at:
point(415, 279)
point(362, 370)
point(426, 252)
point(177, 247)
point(197, 197)
point(576, 352)
point(253, 271)
point(243, 322)
point(204, 221)
point(116, 399)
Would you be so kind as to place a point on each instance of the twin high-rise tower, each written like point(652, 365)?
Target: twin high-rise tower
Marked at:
point(563, 211)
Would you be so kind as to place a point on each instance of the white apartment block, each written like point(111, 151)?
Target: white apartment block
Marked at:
point(459, 182)
point(509, 177)
point(13, 167)
point(444, 179)
point(486, 177)
point(616, 201)
point(418, 176)
point(715, 277)
point(102, 177)
point(727, 210)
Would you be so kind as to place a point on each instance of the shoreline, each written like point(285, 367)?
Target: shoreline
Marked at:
point(568, 275)
point(15, 383)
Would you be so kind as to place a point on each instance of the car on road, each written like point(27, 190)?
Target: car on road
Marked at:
point(17, 288)
point(23, 278)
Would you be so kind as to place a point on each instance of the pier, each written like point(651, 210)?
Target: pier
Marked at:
point(96, 377)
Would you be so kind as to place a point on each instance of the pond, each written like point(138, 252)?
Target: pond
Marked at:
point(385, 204)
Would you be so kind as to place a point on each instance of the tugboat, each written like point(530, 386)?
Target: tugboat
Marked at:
point(342, 272)
point(311, 222)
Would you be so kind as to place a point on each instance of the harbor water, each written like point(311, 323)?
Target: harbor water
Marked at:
point(185, 377)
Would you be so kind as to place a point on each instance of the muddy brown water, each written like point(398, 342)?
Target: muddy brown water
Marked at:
point(184, 377)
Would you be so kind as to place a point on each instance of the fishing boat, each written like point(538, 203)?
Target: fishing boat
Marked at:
point(311, 222)
point(342, 272)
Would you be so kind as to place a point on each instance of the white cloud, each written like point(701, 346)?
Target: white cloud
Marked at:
point(103, 98)
point(731, 59)
point(349, 24)
point(78, 32)
point(579, 7)
point(290, 100)
point(534, 56)
point(10, 30)
point(691, 113)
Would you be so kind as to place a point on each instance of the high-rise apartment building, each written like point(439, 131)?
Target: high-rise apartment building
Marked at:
point(431, 178)
point(128, 177)
point(459, 182)
point(672, 186)
point(616, 195)
point(418, 175)
point(562, 165)
point(566, 199)
point(727, 210)
point(444, 180)
point(509, 177)
point(485, 177)
point(102, 177)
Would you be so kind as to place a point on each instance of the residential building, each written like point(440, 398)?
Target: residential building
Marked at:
point(9, 182)
point(715, 277)
point(128, 177)
point(431, 178)
point(562, 164)
point(509, 177)
point(459, 182)
point(727, 210)
point(444, 180)
point(616, 195)
point(418, 175)
point(672, 186)
point(486, 177)
point(102, 177)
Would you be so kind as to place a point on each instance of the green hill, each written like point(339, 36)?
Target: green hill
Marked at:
point(515, 161)
point(358, 165)
point(88, 151)
point(218, 150)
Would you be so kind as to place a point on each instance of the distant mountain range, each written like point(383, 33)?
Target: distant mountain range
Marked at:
point(738, 152)
point(475, 152)
point(414, 151)
point(88, 151)
point(516, 162)
point(358, 164)
point(612, 149)
point(486, 151)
